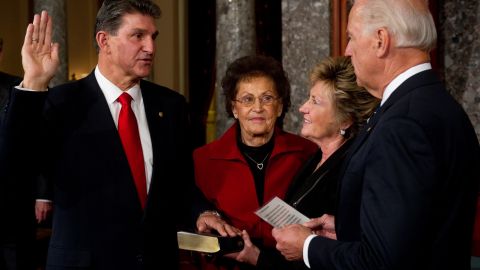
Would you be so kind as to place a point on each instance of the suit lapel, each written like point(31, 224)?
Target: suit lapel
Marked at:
point(412, 83)
point(418, 80)
point(157, 119)
point(364, 132)
point(100, 119)
point(99, 115)
point(102, 127)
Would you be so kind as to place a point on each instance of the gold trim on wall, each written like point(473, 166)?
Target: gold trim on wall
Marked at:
point(211, 121)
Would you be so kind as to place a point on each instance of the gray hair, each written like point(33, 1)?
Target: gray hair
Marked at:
point(409, 21)
point(110, 14)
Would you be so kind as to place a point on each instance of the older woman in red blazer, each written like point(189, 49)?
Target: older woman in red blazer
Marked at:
point(254, 160)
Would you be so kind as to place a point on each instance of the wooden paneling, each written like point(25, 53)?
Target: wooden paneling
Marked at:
point(339, 27)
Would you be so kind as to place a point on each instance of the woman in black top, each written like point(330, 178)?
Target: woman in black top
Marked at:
point(334, 112)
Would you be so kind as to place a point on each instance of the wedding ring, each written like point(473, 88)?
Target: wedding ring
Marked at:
point(34, 40)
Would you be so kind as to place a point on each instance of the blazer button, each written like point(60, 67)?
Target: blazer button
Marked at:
point(140, 258)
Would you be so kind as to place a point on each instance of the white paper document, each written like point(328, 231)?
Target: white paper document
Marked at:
point(278, 213)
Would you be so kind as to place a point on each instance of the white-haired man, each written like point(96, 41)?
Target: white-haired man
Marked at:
point(407, 196)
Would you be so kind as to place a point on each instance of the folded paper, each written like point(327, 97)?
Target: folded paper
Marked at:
point(278, 213)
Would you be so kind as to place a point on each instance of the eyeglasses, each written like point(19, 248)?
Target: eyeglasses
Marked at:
point(249, 100)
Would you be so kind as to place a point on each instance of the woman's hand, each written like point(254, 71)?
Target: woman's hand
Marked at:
point(249, 253)
point(210, 220)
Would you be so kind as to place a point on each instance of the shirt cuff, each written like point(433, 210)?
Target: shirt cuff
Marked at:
point(306, 244)
point(20, 87)
point(43, 200)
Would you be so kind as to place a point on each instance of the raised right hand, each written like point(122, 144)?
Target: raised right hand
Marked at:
point(39, 55)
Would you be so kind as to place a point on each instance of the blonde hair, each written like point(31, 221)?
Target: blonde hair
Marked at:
point(351, 102)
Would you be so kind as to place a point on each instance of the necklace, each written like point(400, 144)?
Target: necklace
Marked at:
point(259, 164)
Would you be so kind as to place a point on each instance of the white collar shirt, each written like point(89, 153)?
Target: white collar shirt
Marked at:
point(395, 83)
point(111, 93)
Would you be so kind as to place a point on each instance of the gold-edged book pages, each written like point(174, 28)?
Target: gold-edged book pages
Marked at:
point(207, 243)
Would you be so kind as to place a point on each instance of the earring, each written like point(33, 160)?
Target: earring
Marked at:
point(235, 116)
point(342, 132)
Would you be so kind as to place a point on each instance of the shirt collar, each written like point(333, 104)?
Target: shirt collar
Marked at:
point(402, 78)
point(112, 92)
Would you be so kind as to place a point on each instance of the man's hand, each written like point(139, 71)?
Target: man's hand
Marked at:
point(323, 226)
point(39, 55)
point(290, 240)
point(42, 210)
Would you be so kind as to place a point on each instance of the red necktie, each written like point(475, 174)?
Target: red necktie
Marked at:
point(129, 134)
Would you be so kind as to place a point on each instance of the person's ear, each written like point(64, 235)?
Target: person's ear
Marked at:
point(345, 125)
point(280, 109)
point(383, 40)
point(102, 40)
point(234, 110)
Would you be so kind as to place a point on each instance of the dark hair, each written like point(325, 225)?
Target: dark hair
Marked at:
point(351, 101)
point(255, 66)
point(110, 14)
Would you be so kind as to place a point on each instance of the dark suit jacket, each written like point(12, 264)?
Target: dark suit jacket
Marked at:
point(7, 81)
point(98, 221)
point(407, 197)
point(17, 202)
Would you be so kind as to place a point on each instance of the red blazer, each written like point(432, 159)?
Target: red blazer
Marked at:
point(224, 177)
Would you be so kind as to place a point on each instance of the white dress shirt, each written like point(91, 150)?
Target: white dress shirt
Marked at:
point(111, 93)
point(395, 83)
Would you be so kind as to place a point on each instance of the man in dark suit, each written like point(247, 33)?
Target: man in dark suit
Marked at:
point(118, 192)
point(8, 239)
point(407, 196)
point(7, 81)
point(18, 205)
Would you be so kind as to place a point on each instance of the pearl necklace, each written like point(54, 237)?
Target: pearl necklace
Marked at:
point(259, 164)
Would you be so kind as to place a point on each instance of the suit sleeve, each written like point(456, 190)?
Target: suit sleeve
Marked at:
point(395, 209)
point(44, 188)
point(22, 133)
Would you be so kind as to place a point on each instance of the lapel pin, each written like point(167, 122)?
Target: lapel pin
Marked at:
point(368, 129)
point(160, 114)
